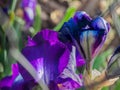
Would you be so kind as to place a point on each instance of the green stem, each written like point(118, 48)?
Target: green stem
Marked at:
point(13, 5)
point(89, 69)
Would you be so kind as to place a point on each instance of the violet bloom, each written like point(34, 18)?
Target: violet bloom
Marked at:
point(54, 55)
point(52, 59)
point(86, 34)
point(29, 7)
point(54, 62)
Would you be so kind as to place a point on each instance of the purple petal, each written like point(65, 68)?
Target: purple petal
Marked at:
point(30, 42)
point(49, 56)
point(46, 35)
point(21, 84)
point(100, 24)
point(68, 79)
point(8, 81)
point(91, 42)
point(79, 60)
point(29, 7)
point(52, 60)
point(82, 19)
point(18, 83)
point(29, 3)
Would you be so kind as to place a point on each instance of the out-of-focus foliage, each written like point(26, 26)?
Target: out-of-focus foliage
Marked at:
point(37, 22)
point(100, 62)
point(106, 88)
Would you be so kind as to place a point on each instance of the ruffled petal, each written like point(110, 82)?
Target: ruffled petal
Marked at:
point(49, 56)
point(46, 35)
point(68, 79)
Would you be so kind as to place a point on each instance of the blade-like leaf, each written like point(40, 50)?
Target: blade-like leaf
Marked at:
point(37, 22)
point(69, 13)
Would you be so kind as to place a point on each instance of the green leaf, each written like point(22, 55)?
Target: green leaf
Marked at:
point(4, 46)
point(4, 60)
point(100, 61)
point(37, 22)
point(69, 13)
point(18, 23)
point(13, 5)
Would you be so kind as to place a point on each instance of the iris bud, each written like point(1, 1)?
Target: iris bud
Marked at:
point(113, 68)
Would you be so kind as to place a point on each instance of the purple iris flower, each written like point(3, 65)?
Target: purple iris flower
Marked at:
point(52, 59)
point(87, 34)
point(29, 7)
point(93, 38)
point(55, 55)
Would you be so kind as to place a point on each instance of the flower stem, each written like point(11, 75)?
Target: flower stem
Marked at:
point(87, 75)
point(88, 69)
